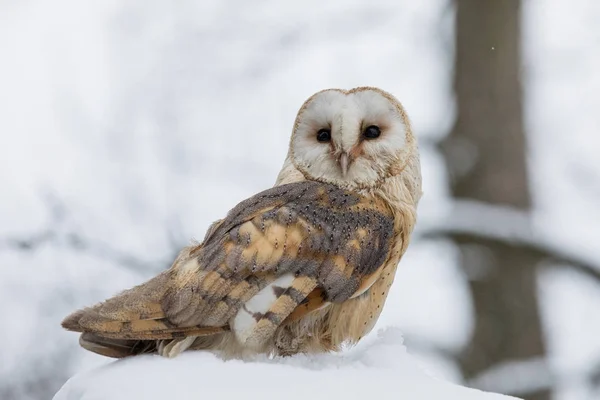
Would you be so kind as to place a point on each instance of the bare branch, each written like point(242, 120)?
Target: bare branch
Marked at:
point(56, 235)
point(472, 221)
point(105, 252)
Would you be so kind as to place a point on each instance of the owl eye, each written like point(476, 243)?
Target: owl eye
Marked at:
point(324, 135)
point(372, 132)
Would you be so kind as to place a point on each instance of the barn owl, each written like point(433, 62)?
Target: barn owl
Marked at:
point(302, 267)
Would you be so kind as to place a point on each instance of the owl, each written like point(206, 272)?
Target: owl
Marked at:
point(302, 267)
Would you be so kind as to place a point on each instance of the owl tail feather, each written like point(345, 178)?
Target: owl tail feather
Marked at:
point(133, 322)
point(116, 348)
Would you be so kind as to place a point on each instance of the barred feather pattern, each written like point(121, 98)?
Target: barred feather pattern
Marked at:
point(315, 235)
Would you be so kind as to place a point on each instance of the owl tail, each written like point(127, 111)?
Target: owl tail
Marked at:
point(116, 348)
point(121, 348)
point(133, 322)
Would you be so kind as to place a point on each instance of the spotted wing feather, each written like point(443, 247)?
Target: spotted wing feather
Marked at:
point(291, 242)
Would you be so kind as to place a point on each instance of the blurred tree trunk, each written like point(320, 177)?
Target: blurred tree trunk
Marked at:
point(486, 159)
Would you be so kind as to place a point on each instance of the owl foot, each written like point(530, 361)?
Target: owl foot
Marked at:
point(172, 348)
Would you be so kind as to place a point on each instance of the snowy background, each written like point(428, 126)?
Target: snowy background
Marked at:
point(127, 127)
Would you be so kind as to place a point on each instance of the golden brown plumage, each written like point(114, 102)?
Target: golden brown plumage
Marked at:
point(302, 267)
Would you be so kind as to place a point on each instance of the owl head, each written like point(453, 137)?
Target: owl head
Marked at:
point(352, 138)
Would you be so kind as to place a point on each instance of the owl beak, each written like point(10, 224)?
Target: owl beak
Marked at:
point(344, 163)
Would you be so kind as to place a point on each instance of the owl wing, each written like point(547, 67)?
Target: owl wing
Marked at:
point(277, 255)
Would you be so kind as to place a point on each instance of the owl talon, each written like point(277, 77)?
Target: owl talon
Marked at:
point(172, 348)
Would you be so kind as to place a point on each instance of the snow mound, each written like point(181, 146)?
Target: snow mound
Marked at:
point(380, 368)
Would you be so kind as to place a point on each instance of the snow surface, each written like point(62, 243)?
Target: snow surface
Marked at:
point(378, 368)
